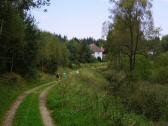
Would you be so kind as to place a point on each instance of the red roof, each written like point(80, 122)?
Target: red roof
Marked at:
point(95, 48)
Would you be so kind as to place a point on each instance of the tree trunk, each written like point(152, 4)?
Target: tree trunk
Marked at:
point(11, 67)
point(131, 51)
point(135, 50)
point(1, 27)
point(131, 64)
point(42, 65)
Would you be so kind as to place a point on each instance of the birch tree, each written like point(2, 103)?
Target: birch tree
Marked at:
point(132, 23)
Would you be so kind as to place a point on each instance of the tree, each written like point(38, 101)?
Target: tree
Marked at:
point(27, 66)
point(52, 53)
point(84, 53)
point(132, 23)
point(11, 42)
point(20, 6)
point(165, 43)
point(73, 46)
point(154, 46)
point(18, 36)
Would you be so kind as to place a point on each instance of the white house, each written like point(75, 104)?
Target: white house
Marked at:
point(96, 51)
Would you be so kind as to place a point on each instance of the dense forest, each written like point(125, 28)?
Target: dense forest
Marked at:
point(25, 49)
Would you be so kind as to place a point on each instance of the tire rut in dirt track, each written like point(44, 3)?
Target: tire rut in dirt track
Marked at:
point(10, 115)
point(46, 117)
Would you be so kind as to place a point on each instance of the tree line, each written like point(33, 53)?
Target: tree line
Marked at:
point(18, 35)
point(24, 49)
point(132, 36)
point(138, 60)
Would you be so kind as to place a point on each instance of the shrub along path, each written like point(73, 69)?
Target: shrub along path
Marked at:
point(10, 115)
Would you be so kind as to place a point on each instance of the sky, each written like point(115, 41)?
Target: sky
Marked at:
point(84, 18)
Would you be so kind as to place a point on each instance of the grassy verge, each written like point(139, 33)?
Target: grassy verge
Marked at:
point(83, 100)
point(9, 92)
point(28, 113)
point(7, 95)
point(93, 66)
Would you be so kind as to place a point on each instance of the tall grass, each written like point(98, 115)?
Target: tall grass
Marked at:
point(11, 86)
point(83, 100)
point(29, 113)
point(141, 97)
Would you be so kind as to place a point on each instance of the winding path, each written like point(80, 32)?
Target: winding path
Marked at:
point(10, 115)
point(46, 117)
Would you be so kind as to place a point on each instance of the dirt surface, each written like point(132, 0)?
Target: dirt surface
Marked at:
point(10, 115)
point(46, 117)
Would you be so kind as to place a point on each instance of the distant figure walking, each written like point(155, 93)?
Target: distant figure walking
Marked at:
point(65, 75)
point(58, 76)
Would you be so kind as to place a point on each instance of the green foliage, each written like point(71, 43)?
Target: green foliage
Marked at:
point(160, 75)
point(11, 42)
point(143, 98)
point(161, 60)
point(132, 24)
point(160, 69)
point(27, 64)
point(84, 53)
point(24, 49)
point(52, 53)
point(73, 49)
point(18, 37)
point(12, 79)
point(154, 45)
point(8, 94)
point(79, 52)
point(83, 100)
point(143, 68)
point(18, 40)
point(12, 85)
point(150, 100)
point(165, 43)
point(28, 113)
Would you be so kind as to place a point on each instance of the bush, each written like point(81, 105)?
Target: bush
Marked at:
point(160, 69)
point(12, 78)
point(160, 75)
point(74, 66)
point(150, 100)
point(161, 60)
point(116, 79)
point(143, 67)
point(82, 100)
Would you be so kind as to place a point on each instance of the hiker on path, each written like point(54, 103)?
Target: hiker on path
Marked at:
point(58, 76)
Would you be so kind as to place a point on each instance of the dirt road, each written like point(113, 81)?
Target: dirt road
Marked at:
point(10, 115)
point(46, 117)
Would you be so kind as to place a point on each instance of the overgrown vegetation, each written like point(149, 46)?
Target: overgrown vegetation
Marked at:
point(131, 89)
point(12, 85)
point(145, 95)
point(137, 69)
point(84, 100)
point(29, 113)
point(26, 51)
point(30, 50)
